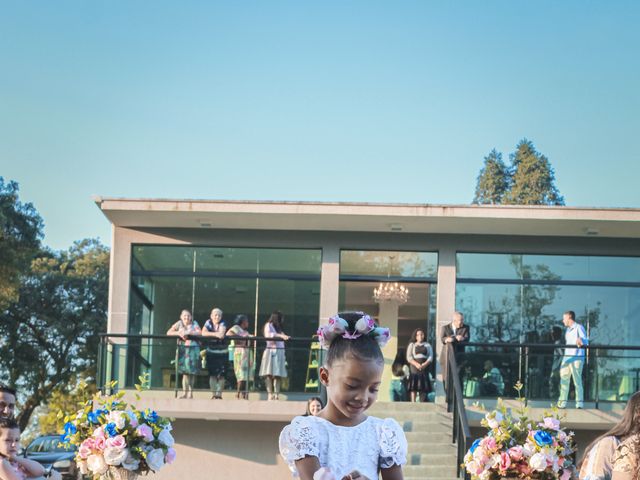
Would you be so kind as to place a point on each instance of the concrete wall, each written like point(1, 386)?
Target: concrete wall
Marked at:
point(226, 449)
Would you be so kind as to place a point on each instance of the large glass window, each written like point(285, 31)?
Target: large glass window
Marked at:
point(521, 298)
point(363, 270)
point(250, 281)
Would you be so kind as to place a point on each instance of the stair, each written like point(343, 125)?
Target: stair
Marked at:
point(427, 426)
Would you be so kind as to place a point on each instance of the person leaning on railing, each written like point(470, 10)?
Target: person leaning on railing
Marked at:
point(243, 361)
point(188, 350)
point(456, 333)
point(273, 365)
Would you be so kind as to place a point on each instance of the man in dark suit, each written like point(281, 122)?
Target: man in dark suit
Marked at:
point(456, 333)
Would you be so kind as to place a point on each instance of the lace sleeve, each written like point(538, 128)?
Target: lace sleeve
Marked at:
point(298, 440)
point(392, 443)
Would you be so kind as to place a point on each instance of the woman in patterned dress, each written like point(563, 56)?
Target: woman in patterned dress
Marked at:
point(188, 350)
point(243, 363)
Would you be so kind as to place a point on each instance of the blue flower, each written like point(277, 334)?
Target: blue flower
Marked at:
point(69, 429)
point(110, 428)
point(93, 417)
point(474, 445)
point(150, 416)
point(542, 438)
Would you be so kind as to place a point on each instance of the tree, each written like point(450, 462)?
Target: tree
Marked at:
point(50, 334)
point(529, 180)
point(532, 178)
point(493, 180)
point(20, 234)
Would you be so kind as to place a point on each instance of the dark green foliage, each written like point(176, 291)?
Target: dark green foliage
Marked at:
point(493, 180)
point(529, 180)
point(20, 234)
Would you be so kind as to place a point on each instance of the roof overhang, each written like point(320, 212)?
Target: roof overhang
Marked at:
point(370, 217)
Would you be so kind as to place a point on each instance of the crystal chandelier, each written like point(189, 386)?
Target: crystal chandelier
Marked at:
point(391, 292)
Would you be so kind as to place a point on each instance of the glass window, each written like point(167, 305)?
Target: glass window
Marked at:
point(251, 281)
point(382, 263)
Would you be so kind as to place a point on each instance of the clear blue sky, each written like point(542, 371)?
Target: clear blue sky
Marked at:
point(330, 101)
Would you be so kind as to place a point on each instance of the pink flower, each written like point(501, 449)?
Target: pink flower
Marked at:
point(145, 432)
point(566, 474)
point(98, 433)
point(85, 449)
point(489, 443)
point(516, 453)
point(505, 461)
point(117, 442)
point(170, 456)
point(324, 473)
point(551, 423)
point(99, 444)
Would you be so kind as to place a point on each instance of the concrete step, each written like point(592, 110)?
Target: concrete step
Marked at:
point(437, 438)
point(422, 448)
point(426, 426)
point(444, 459)
point(429, 471)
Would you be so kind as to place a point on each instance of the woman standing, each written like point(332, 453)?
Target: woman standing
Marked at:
point(273, 362)
point(243, 363)
point(215, 329)
point(419, 357)
point(188, 350)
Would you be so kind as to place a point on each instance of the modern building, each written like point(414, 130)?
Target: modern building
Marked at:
point(511, 270)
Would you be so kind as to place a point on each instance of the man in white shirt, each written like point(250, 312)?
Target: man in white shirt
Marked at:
point(573, 360)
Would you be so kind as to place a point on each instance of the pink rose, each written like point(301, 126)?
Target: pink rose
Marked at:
point(489, 443)
point(516, 453)
point(99, 444)
point(85, 449)
point(145, 432)
point(170, 456)
point(98, 433)
point(505, 461)
point(117, 442)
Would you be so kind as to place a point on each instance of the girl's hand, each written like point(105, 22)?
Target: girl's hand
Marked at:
point(355, 475)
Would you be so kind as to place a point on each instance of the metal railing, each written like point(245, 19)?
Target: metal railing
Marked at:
point(461, 433)
point(126, 357)
point(611, 373)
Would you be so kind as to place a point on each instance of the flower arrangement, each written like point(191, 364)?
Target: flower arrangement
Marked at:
point(116, 440)
point(518, 447)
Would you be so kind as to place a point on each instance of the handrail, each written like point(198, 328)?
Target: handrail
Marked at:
point(591, 346)
point(203, 338)
point(461, 434)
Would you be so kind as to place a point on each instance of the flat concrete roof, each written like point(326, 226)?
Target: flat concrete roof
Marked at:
point(373, 217)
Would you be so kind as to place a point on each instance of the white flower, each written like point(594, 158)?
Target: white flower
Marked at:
point(82, 466)
point(155, 459)
point(97, 464)
point(115, 455)
point(118, 418)
point(166, 438)
point(538, 462)
point(494, 419)
point(168, 427)
point(130, 463)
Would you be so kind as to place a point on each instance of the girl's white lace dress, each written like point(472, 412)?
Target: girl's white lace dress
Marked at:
point(367, 447)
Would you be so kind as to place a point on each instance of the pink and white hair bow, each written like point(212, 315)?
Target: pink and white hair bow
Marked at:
point(337, 326)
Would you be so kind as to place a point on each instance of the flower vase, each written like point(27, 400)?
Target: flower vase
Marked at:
point(115, 473)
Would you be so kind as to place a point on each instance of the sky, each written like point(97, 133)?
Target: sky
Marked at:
point(355, 101)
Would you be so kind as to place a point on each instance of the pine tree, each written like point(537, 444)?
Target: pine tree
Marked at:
point(493, 180)
point(532, 178)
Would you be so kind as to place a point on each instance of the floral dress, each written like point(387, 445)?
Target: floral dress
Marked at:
point(243, 362)
point(625, 460)
point(188, 354)
point(373, 444)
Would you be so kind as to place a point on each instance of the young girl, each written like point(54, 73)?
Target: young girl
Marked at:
point(342, 442)
point(13, 467)
point(419, 357)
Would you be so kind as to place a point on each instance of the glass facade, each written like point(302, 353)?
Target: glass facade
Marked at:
point(363, 270)
point(250, 281)
point(521, 298)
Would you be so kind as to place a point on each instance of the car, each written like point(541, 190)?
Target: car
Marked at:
point(50, 452)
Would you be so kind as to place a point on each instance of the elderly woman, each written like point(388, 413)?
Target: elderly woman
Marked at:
point(188, 350)
point(214, 330)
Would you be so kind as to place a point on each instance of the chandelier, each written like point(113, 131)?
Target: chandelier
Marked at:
point(391, 291)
